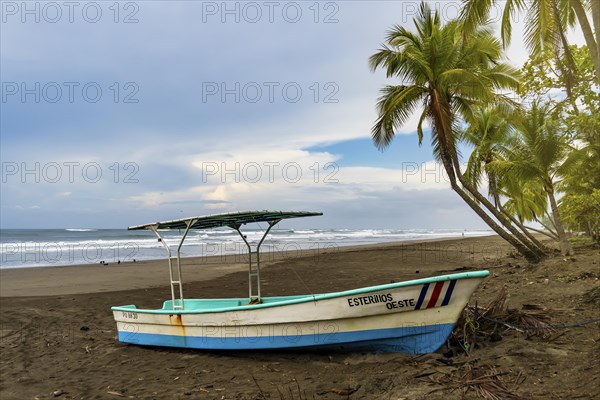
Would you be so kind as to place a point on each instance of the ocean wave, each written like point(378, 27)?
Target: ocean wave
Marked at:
point(55, 247)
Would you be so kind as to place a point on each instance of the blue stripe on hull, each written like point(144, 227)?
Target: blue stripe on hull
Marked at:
point(411, 340)
point(422, 296)
point(449, 293)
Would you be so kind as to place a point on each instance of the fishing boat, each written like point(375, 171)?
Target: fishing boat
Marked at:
point(414, 317)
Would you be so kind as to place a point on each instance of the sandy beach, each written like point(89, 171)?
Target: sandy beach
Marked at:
point(58, 337)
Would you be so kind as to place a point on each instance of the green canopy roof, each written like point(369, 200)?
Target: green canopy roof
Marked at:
point(234, 220)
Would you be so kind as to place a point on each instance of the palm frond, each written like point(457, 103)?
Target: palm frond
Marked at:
point(503, 76)
point(424, 115)
point(473, 14)
point(510, 9)
point(541, 30)
point(394, 107)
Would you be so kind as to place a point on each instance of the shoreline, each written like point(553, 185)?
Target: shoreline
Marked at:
point(96, 278)
point(336, 246)
point(328, 243)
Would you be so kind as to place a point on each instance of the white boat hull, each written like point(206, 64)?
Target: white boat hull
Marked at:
point(410, 317)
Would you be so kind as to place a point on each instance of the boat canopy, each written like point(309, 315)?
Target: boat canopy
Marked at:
point(233, 220)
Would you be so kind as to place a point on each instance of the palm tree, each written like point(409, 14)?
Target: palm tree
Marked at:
point(581, 178)
point(535, 155)
point(582, 212)
point(488, 133)
point(527, 201)
point(582, 165)
point(448, 77)
point(547, 22)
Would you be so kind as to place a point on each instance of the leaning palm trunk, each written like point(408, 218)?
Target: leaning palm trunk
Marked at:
point(440, 109)
point(498, 215)
point(498, 203)
point(549, 234)
point(519, 236)
point(530, 255)
point(523, 228)
point(548, 228)
point(565, 247)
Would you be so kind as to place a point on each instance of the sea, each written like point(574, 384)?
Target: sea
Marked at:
point(23, 248)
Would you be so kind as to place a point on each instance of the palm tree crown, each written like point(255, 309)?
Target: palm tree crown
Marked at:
point(539, 149)
point(442, 74)
point(487, 132)
point(536, 154)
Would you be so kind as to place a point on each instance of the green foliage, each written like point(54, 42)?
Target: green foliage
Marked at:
point(582, 213)
point(581, 169)
point(546, 25)
point(546, 20)
point(530, 164)
point(535, 151)
point(526, 200)
point(581, 240)
point(576, 170)
point(546, 76)
point(487, 132)
point(554, 146)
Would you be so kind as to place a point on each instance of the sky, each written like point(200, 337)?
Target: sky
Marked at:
point(122, 113)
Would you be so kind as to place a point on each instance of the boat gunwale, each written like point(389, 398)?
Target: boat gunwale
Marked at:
point(307, 298)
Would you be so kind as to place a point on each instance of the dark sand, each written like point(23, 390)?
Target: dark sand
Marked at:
point(61, 343)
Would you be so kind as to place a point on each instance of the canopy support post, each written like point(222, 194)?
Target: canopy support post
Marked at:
point(177, 304)
point(254, 297)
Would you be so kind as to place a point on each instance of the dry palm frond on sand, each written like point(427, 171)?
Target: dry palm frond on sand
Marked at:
point(485, 380)
point(478, 324)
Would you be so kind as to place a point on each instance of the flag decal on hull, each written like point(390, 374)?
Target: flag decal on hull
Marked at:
point(435, 295)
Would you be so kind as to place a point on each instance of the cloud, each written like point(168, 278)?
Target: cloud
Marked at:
point(179, 148)
point(20, 207)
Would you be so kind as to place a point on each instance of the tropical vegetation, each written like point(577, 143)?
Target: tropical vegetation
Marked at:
point(538, 158)
point(546, 25)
